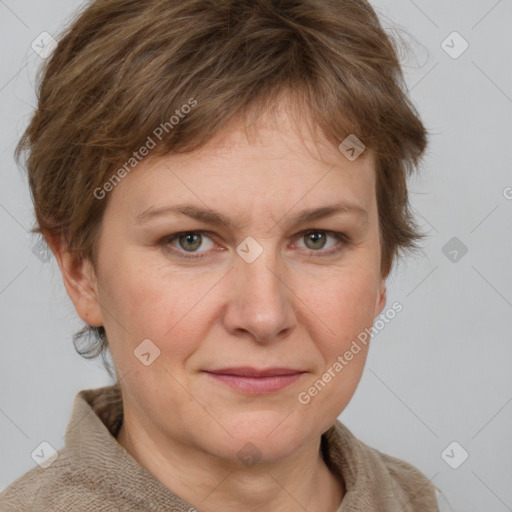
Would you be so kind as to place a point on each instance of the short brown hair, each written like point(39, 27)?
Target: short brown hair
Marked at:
point(124, 67)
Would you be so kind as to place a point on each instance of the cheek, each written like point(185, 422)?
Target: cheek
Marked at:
point(341, 314)
point(143, 302)
point(347, 308)
point(344, 303)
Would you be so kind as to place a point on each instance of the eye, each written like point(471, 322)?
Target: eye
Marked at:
point(189, 242)
point(316, 240)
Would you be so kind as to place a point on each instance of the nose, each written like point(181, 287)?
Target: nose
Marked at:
point(260, 301)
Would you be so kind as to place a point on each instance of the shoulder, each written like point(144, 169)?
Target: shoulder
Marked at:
point(21, 494)
point(412, 479)
point(371, 475)
point(405, 482)
point(57, 488)
point(35, 486)
point(77, 478)
point(402, 473)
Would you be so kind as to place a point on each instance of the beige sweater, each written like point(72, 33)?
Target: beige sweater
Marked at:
point(94, 473)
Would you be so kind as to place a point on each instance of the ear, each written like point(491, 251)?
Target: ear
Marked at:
point(79, 280)
point(381, 298)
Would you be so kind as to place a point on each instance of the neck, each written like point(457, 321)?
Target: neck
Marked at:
point(301, 482)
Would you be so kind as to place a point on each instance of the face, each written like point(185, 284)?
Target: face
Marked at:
point(244, 315)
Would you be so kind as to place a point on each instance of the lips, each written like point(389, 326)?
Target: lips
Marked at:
point(255, 380)
point(247, 371)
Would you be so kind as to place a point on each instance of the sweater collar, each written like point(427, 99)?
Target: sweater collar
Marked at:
point(374, 482)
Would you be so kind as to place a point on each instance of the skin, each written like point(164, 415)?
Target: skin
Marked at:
point(291, 307)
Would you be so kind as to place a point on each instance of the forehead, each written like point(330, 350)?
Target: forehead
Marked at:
point(279, 132)
point(266, 166)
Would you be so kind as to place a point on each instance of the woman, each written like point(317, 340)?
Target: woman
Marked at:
point(223, 186)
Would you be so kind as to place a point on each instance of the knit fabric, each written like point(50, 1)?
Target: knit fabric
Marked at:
point(94, 473)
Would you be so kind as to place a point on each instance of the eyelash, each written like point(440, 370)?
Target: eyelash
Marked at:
point(342, 237)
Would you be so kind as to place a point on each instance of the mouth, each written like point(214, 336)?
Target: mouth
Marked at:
point(256, 381)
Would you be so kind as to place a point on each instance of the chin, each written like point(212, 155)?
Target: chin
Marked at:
point(264, 437)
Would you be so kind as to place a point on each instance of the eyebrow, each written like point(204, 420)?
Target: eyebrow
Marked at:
point(215, 218)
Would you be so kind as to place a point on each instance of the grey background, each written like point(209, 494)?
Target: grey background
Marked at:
point(438, 373)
